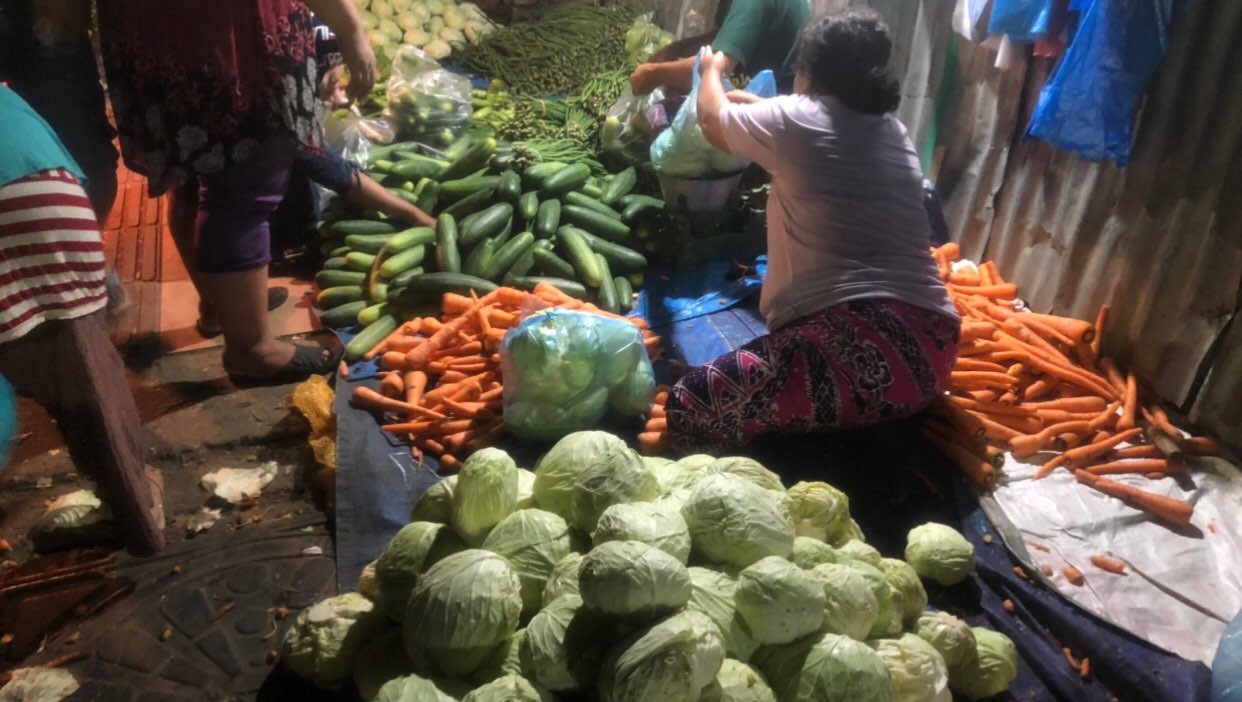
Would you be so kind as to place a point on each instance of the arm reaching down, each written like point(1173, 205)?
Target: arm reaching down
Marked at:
point(342, 17)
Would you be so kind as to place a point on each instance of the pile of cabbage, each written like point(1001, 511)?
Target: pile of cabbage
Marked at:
point(607, 576)
point(431, 25)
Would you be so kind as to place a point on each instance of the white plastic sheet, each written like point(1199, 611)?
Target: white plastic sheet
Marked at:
point(1182, 587)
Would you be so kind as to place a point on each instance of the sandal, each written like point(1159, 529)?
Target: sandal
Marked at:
point(306, 361)
point(276, 297)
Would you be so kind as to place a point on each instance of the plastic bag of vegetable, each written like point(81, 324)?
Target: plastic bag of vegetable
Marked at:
point(644, 39)
point(426, 103)
point(352, 136)
point(565, 370)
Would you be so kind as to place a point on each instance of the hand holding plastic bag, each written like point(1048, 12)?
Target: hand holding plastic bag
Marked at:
point(351, 135)
point(426, 103)
point(564, 371)
point(682, 151)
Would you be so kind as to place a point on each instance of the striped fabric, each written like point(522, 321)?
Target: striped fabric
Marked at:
point(51, 254)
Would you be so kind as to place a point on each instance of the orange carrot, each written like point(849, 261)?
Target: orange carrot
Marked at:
point(984, 396)
point(1084, 670)
point(1040, 388)
point(392, 385)
point(501, 319)
point(415, 385)
point(980, 379)
point(439, 427)
point(977, 470)
point(1140, 466)
point(1101, 319)
point(1042, 330)
point(1014, 330)
point(369, 399)
point(1157, 416)
point(657, 424)
point(449, 462)
point(467, 409)
point(487, 435)
point(1004, 291)
point(1022, 425)
point(977, 330)
point(1073, 575)
point(1078, 456)
point(991, 407)
point(652, 443)
point(455, 304)
point(1024, 446)
point(461, 350)
point(951, 251)
point(970, 364)
point(429, 326)
point(1113, 375)
point(1144, 451)
point(965, 422)
point(392, 360)
point(1129, 404)
point(1075, 329)
point(993, 272)
point(1072, 404)
point(966, 276)
point(1009, 399)
point(1066, 441)
point(1112, 565)
point(1169, 509)
point(512, 298)
point(1199, 446)
point(1107, 418)
point(343, 370)
point(400, 332)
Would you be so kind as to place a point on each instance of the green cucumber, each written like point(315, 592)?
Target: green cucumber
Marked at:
point(504, 234)
point(458, 148)
point(428, 197)
point(336, 263)
point(607, 290)
point(345, 227)
point(636, 210)
point(479, 257)
point(571, 288)
point(333, 279)
point(358, 261)
point(580, 256)
point(381, 165)
point(475, 157)
point(337, 296)
point(340, 251)
point(566, 179)
point(625, 294)
point(595, 223)
point(448, 259)
point(581, 200)
point(371, 314)
point(621, 258)
point(526, 261)
point(551, 264)
point(416, 167)
point(593, 191)
point(536, 174)
point(454, 190)
point(470, 204)
point(507, 255)
point(366, 340)
point(344, 316)
point(636, 279)
point(403, 278)
point(620, 186)
point(628, 200)
point(439, 283)
point(406, 259)
point(490, 223)
point(548, 219)
point(408, 239)
point(528, 205)
point(367, 243)
point(381, 293)
point(509, 187)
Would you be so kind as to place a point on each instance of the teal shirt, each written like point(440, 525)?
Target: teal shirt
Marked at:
point(35, 147)
point(762, 34)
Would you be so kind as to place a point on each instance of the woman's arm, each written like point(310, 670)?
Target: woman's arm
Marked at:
point(712, 98)
point(673, 74)
point(342, 17)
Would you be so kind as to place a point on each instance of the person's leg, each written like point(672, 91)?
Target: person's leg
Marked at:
point(182, 217)
point(72, 369)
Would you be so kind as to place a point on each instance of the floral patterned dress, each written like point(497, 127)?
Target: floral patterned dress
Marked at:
point(195, 85)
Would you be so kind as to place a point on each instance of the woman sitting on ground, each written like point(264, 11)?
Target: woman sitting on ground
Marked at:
point(862, 328)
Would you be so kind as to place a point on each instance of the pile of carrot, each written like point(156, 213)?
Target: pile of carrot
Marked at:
point(1036, 384)
point(440, 378)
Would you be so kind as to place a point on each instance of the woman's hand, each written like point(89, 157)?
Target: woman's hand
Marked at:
point(642, 80)
point(713, 61)
point(360, 60)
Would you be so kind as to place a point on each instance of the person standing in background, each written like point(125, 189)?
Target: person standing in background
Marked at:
point(54, 345)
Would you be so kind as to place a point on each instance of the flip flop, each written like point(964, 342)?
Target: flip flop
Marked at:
point(306, 361)
point(276, 297)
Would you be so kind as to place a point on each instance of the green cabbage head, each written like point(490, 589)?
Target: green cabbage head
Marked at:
point(950, 636)
point(737, 682)
point(323, 643)
point(888, 609)
point(414, 549)
point(919, 672)
point(526, 489)
point(504, 660)
point(436, 504)
point(633, 581)
point(991, 672)
point(648, 522)
point(735, 522)
point(543, 654)
point(486, 493)
point(564, 579)
point(510, 688)
point(380, 660)
point(663, 469)
point(623, 479)
point(850, 607)
point(819, 510)
point(902, 578)
point(711, 592)
point(697, 461)
point(808, 552)
point(825, 667)
point(860, 550)
point(779, 601)
point(940, 553)
point(747, 469)
point(670, 661)
point(533, 541)
point(415, 688)
point(462, 609)
point(560, 467)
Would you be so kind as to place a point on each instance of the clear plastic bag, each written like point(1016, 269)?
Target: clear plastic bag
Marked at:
point(351, 135)
point(566, 371)
point(645, 38)
point(682, 151)
point(426, 103)
point(627, 130)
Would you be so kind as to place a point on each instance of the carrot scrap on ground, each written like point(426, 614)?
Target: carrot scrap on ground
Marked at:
point(1073, 575)
point(1009, 606)
point(1112, 565)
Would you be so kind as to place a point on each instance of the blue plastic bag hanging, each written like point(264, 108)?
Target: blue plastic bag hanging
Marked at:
point(1087, 107)
point(1022, 20)
point(8, 420)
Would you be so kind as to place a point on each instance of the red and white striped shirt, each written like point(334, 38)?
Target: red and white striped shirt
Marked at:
point(51, 254)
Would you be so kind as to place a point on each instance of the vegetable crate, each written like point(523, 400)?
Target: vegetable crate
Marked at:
point(735, 232)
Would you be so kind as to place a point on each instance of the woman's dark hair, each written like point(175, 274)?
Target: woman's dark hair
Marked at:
point(846, 56)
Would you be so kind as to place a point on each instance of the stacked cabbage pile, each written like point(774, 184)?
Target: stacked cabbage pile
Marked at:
point(431, 25)
point(605, 575)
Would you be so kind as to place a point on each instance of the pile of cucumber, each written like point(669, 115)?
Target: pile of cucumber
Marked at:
point(553, 223)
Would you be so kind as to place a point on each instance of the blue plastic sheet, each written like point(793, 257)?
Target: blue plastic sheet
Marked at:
point(1087, 107)
point(8, 420)
point(1022, 20)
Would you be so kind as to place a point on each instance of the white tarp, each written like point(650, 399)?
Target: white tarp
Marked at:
point(1182, 587)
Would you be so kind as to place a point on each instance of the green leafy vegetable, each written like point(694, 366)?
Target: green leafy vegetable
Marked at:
point(735, 522)
point(779, 601)
point(940, 553)
point(632, 580)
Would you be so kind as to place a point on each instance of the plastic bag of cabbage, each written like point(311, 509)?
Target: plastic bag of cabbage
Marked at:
point(609, 576)
point(566, 370)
